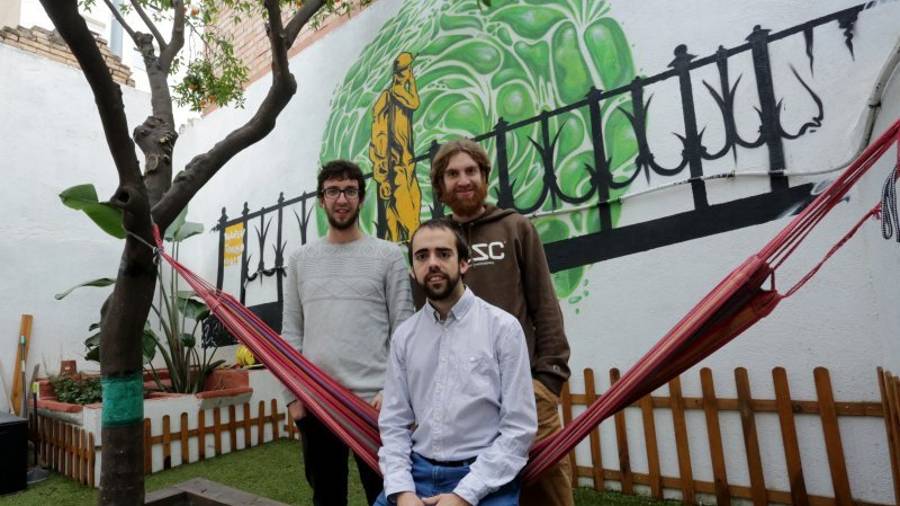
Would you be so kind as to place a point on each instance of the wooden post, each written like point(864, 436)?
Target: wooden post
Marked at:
point(167, 442)
point(16, 399)
point(716, 454)
point(201, 435)
point(276, 420)
point(833, 445)
point(261, 423)
point(622, 442)
point(92, 455)
point(652, 451)
point(566, 401)
point(681, 442)
point(57, 445)
point(891, 426)
point(217, 431)
point(596, 455)
point(751, 439)
point(184, 434)
point(247, 441)
point(232, 428)
point(799, 496)
point(76, 459)
point(68, 451)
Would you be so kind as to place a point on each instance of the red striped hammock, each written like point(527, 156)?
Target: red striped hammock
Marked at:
point(733, 306)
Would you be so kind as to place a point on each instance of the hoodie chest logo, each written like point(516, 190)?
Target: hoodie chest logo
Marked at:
point(488, 252)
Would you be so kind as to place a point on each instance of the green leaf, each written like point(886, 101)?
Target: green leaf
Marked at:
point(149, 345)
point(93, 354)
point(99, 282)
point(176, 224)
point(84, 198)
point(188, 229)
point(93, 341)
point(213, 366)
point(190, 307)
point(94, 326)
point(188, 340)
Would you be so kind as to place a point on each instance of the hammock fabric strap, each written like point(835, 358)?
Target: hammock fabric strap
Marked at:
point(733, 306)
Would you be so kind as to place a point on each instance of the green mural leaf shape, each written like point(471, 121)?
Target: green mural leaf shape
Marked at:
point(474, 65)
point(530, 22)
point(609, 50)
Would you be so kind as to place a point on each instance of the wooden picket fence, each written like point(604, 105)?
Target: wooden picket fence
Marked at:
point(70, 450)
point(827, 409)
point(889, 385)
point(64, 448)
point(245, 426)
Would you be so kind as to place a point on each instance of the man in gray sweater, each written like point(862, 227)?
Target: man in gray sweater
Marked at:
point(345, 294)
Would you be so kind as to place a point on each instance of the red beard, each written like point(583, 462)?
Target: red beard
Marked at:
point(467, 205)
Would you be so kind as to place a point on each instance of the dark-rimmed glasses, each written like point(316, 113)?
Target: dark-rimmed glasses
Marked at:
point(332, 193)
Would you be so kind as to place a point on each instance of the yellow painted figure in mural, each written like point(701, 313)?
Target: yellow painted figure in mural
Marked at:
point(391, 151)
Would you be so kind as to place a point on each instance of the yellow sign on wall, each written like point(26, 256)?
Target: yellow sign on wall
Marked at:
point(234, 243)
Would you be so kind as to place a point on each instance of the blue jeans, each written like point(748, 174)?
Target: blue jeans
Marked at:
point(432, 480)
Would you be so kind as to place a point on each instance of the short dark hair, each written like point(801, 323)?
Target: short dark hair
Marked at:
point(341, 169)
point(448, 151)
point(462, 247)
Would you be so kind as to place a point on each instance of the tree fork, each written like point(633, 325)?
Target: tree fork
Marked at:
point(151, 196)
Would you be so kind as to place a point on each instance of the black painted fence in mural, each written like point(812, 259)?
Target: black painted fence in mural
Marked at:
point(703, 220)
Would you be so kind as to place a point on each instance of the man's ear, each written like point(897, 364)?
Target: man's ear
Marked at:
point(463, 267)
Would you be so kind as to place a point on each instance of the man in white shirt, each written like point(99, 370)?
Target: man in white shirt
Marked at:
point(458, 416)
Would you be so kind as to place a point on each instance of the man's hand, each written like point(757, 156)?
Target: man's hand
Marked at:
point(376, 401)
point(408, 499)
point(445, 500)
point(296, 410)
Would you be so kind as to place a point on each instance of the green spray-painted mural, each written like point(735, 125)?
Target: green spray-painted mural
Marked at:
point(457, 68)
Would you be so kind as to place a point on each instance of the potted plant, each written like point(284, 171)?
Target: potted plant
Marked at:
point(179, 313)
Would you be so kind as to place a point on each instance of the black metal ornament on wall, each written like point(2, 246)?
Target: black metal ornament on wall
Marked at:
point(610, 242)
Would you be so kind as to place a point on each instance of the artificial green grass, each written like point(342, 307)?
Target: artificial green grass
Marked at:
point(273, 470)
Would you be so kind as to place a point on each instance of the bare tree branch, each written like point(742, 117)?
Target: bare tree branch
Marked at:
point(150, 25)
point(205, 165)
point(301, 17)
point(121, 20)
point(107, 94)
point(167, 54)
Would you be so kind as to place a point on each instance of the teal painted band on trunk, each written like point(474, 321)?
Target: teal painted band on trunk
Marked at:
point(123, 400)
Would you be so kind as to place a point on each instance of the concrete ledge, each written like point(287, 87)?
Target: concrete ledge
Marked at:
point(200, 491)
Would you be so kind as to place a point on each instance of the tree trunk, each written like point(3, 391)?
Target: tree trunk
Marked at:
point(121, 362)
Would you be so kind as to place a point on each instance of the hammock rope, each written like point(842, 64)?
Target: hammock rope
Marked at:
point(733, 306)
point(889, 219)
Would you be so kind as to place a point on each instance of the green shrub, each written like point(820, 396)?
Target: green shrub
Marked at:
point(77, 389)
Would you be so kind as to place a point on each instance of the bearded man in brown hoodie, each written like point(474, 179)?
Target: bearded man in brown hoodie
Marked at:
point(508, 269)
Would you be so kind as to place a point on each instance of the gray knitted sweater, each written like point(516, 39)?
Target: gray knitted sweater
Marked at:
point(342, 302)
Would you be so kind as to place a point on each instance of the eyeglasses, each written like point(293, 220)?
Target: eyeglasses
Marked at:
point(333, 193)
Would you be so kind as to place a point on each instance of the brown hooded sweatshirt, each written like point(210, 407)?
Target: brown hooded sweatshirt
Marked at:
point(508, 269)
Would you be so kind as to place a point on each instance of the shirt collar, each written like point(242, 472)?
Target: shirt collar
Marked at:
point(459, 309)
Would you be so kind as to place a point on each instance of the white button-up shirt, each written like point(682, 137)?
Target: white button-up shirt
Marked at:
point(458, 389)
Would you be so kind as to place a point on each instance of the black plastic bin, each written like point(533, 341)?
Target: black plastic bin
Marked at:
point(14, 463)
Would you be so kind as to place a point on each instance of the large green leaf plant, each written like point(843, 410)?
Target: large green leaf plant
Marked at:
point(179, 313)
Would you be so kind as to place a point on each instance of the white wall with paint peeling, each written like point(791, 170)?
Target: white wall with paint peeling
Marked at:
point(51, 139)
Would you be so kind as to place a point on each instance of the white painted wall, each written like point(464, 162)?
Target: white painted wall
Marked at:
point(846, 319)
point(51, 139)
